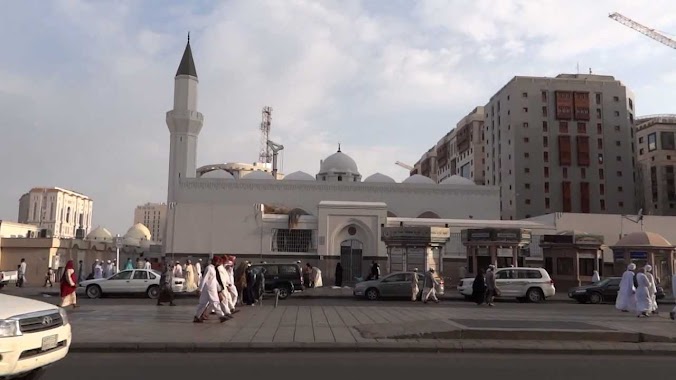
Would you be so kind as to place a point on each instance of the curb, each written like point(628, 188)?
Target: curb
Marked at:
point(494, 347)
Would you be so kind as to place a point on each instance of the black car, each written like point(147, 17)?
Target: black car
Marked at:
point(287, 278)
point(602, 291)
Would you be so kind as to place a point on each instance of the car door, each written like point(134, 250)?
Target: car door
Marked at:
point(117, 283)
point(139, 282)
point(611, 289)
point(506, 281)
point(390, 286)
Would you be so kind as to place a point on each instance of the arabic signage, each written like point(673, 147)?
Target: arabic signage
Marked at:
point(503, 235)
point(415, 234)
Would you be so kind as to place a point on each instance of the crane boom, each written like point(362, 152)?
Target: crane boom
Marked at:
point(657, 36)
point(403, 165)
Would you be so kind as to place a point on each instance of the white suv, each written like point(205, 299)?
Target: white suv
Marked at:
point(33, 335)
point(524, 284)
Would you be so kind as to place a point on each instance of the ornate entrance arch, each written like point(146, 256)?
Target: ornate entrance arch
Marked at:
point(351, 257)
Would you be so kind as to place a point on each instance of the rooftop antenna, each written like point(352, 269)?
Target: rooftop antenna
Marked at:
point(265, 153)
point(338, 147)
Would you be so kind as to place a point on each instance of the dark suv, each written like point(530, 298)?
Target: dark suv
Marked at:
point(288, 278)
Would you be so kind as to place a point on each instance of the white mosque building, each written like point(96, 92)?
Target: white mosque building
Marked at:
point(337, 215)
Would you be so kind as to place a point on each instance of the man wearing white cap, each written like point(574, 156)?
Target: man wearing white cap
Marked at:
point(652, 289)
point(626, 296)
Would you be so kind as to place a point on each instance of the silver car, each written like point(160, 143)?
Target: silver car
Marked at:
point(130, 281)
point(395, 285)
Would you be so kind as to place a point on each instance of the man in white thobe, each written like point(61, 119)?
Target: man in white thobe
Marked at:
point(23, 267)
point(643, 302)
point(108, 270)
point(209, 296)
point(415, 289)
point(98, 270)
point(317, 277)
point(178, 270)
point(626, 295)
point(198, 271)
point(652, 289)
point(232, 289)
point(222, 279)
point(596, 277)
point(147, 265)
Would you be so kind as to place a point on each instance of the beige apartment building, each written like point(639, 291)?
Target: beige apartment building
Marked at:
point(153, 216)
point(459, 152)
point(57, 212)
point(656, 163)
point(562, 144)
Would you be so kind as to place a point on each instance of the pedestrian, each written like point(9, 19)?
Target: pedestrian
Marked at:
point(114, 270)
point(259, 285)
point(317, 278)
point(209, 297)
point(652, 289)
point(240, 282)
point(147, 265)
point(178, 270)
point(375, 270)
point(339, 275)
point(94, 264)
point(479, 287)
point(98, 270)
point(80, 269)
point(415, 289)
point(249, 295)
point(307, 275)
point(491, 288)
point(108, 270)
point(166, 290)
point(232, 289)
point(224, 294)
point(198, 272)
point(626, 295)
point(21, 273)
point(596, 277)
point(190, 278)
point(643, 302)
point(129, 265)
point(430, 287)
point(49, 282)
point(140, 264)
point(69, 286)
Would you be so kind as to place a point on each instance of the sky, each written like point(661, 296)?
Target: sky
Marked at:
point(85, 85)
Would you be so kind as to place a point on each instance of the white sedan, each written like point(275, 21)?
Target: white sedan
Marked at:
point(137, 281)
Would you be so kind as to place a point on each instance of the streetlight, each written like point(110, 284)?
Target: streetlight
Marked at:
point(118, 244)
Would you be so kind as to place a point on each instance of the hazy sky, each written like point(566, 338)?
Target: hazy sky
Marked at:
point(84, 85)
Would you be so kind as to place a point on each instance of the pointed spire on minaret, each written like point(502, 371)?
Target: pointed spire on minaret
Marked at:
point(187, 65)
point(338, 147)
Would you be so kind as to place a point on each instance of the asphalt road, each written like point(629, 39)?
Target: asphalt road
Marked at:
point(358, 365)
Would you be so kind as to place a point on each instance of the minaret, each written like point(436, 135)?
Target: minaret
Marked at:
point(184, 123)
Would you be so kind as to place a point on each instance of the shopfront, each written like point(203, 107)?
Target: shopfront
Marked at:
point(643, 248)
point(414, 247)
point(503, 247)
point(572, 257)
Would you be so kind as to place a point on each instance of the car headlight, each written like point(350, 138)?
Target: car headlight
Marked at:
point(64, 315)
point(9, 328)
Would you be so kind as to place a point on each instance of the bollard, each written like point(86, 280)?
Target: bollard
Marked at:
point(276, 297)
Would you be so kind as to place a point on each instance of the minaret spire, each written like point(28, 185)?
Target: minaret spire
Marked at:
point(187, 65)
point(338, 147)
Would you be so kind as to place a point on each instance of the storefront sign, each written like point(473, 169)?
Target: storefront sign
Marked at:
point(505, 252)
point(587, 256)
point(638, 255)
point(420, 234)
point(589, 239)
point(618, 256)
point(482, 251)
point(506, 235)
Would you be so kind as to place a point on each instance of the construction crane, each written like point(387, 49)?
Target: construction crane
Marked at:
point(275, 148)
point(652, 33)
point(405, 166)
point(265, 154)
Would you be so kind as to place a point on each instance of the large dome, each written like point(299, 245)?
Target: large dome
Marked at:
point(643, 239)
point(379, 178)
point(100, 234)
point(338, 162)
point(458, 180)
point(298, 176)
point(138, 232)
point(419, 180)
point(258, 174)
point(218, 173)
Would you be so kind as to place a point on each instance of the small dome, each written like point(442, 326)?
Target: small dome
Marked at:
point(298, 176)
point(643, 239)
point(458, 180)
point(258, 175)
point(338, 162)
point(380, 178)
point(218, 173)
point(100, 234)
point(138, 232)
point(419, 180)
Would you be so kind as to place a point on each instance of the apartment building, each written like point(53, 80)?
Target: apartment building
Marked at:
point(562, 144)
point(655, 164)
point(154, 217)
point(57, 212)
point(459, 152)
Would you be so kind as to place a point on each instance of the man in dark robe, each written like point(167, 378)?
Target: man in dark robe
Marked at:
point(166, 291)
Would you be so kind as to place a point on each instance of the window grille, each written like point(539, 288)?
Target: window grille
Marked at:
point(296, 240)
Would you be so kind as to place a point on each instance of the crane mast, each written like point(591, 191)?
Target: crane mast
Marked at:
point(652, 33)
point(265, 153)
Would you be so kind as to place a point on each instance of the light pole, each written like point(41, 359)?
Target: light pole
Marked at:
point(118, 244)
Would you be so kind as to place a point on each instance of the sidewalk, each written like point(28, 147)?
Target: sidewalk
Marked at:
point(328, 328)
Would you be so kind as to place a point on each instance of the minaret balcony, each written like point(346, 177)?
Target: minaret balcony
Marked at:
point(185, 114)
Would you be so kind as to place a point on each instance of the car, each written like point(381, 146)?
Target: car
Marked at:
point(524, 284)
point(602, 291)
point(285, 278)
point(33, 336)
point(394, 285)
point(132, 281)
point(7, 277)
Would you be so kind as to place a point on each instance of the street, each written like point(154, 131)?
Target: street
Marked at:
point(358, 365)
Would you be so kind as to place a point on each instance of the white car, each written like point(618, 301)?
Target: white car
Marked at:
point(139, 281)
point(7, 277)
point(525, 284)
point(33, 335)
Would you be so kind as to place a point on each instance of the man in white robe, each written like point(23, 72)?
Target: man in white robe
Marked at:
point(652, 289)
point(415, 289)
point(98, 270)
point(626, 295)
point(198, 271)
point(596, 277)
point(178, 270)
point(108, 270)
point(232, 289)
point(222, 279)
point(317, 277)
point(643, 302)
point(147, 265)
point(209, 296)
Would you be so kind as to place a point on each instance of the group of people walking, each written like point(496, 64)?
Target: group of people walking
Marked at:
point(484, 288)
point(638, 292)
point(429, 286)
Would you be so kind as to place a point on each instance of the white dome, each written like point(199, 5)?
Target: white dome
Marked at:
point(217, 173)
point(299, 176)
point(379, 177)
point(100, 234)
point(138, 232)
point(338, 162)
point(419, 180)
point(458, 180)
point(258, 175)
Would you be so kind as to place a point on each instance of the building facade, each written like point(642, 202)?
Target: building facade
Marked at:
point(235, 169)
point(17, 230)
point(562, 144)
point(154, 217)
point(57, 212)
point(656, 164)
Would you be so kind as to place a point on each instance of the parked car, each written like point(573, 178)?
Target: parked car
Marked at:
point(602, 291)
point(133, 281)
point(395, 285)
point(524, 284)
point(287, 278)
point(8, 277)
point(33, 335)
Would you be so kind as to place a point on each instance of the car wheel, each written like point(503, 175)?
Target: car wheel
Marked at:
point(595, 298)
point(372, 294)
point(284, 292)
point(153, 292)
point(93, 291)
point(535, 295)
